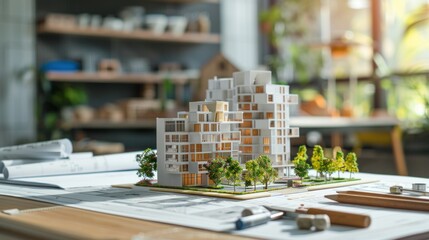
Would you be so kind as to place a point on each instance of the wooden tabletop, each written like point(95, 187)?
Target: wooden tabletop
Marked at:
point(60, 222)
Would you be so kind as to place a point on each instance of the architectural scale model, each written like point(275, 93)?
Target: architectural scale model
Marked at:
point(242, 117)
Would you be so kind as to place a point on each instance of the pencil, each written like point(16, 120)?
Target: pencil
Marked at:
point(344, 218)
point(336, 217)
point(380, 202)
point(386, 195)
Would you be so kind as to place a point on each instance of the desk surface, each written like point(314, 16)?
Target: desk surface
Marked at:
point(71, 223)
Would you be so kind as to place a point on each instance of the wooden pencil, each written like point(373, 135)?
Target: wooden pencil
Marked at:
point(344, 218)
point(380, 202)
point(386, 195)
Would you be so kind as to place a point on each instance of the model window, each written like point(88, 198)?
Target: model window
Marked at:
point(266, 149)
point(266, 140)
point(180, 126)
point(246, 132)
point(201, 117)
point(247, 115)
point(170, 126)
point(184, 138)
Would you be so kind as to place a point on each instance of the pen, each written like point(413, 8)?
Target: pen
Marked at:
point(257, 219)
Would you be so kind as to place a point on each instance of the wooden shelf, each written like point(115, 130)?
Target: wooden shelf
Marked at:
point(177, 77)
point(143, 35)
point(104, 124)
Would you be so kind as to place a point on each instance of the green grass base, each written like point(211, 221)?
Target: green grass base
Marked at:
point(321, 181)
point(219, 189)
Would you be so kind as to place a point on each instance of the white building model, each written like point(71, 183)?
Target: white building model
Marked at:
point(243, 117)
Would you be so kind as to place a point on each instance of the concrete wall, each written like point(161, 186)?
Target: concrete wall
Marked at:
point(17, 81)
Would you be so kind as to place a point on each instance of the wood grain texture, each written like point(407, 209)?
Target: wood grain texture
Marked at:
point(71, 223)
point(380, 202)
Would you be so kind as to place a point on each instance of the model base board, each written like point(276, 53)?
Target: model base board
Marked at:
point(250, 194)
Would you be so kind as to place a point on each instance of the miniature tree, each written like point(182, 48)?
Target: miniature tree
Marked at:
point(233, 171)
point(327, 167)
point(216, 170)
point(339, 162)
point(268, 173)
point(247, 182)
point(253, 172)
point(317, 158)
point(351, 164)
point(147, 164)
point(300, 162)
point(227, 163)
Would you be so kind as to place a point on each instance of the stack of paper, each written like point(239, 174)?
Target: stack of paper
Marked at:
point(24, 164)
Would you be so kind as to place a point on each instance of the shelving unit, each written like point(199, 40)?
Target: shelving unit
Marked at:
point(87, 46)
point(179, 78)
point(144, 35)
point(103, 124)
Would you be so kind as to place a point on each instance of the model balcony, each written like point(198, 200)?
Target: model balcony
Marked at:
point(231, 136)
point(176, 169)
point(183, 115)
point(197, 167)
point(174, 161)
point(232, 117)
point(277, 165)
point(293, 132)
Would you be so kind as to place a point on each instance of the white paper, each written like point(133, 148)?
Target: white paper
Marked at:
point(105, 163)
point(73, 156)
point(78, 180)
point(42, 150)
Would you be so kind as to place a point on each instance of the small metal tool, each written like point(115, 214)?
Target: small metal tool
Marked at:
point(320, 222)
point(418, 188)
point(258, 215)
point(255, 216)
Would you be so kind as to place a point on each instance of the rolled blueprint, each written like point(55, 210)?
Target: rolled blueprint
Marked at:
point(73, 156)
point(61, 148)
point(105, 163)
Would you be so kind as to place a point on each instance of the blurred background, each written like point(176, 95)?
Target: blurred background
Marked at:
point(100, 72)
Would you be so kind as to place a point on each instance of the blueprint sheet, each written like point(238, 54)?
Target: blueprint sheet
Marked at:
point(218, 214)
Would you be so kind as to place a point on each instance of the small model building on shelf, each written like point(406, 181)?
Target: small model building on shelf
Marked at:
point(239, 136)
